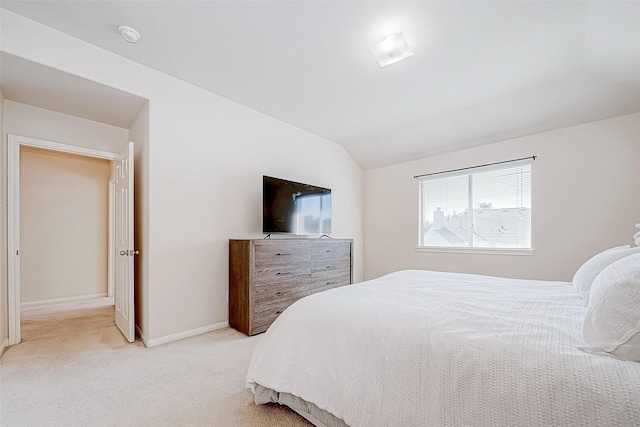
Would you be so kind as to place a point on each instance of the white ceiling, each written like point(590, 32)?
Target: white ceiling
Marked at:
point(482, 71)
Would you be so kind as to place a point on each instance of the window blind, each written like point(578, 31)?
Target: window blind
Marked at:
point(486, 207)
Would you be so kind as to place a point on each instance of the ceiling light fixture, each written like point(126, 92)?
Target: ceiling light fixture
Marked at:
point(129, 34)
point(394, 48)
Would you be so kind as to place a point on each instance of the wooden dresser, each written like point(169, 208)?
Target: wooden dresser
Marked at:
point(267, 276)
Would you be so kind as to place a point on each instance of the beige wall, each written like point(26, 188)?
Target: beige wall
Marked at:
point(584, 199)
point(63, 225)
point(206, 158)
point(4, 326)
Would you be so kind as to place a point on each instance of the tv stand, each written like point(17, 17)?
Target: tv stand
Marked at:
point(267, 276)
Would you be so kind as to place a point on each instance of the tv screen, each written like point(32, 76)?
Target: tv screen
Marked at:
point(295, 208)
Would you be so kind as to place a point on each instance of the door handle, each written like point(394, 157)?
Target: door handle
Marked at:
point(129, 253)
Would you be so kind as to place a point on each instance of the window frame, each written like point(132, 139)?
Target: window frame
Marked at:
point(471, 249)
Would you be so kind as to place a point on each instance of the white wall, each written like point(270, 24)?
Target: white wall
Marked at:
point(33, 122)
point(139, 134)
point(4, 325)
point(206, 159)
point(584, 199)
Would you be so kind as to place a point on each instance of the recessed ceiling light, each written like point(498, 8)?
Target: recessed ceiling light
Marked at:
point(392, 49)
point(129, 34)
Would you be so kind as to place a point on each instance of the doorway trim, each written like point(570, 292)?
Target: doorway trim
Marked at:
point(13, 216)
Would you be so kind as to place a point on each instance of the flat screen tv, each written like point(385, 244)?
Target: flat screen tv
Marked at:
point(295, 208)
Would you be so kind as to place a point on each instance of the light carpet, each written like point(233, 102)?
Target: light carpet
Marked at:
point(76, 369)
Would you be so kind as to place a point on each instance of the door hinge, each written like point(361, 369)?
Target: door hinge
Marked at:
point(17, 252)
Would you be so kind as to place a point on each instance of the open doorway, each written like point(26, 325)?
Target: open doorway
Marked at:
point(66, 256)
point(64, 230)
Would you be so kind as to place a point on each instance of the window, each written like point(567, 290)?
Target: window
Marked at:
point(489, 208)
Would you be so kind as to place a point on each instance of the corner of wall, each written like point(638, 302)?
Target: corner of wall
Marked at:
point(4, 318)
point(139, 135)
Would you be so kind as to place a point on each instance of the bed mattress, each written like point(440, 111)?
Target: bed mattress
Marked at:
point(423, 348)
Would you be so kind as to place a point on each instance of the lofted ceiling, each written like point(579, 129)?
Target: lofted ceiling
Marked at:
point(483, 71)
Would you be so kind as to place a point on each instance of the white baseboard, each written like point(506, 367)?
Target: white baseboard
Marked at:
point(182, 335)
point(3, 346)
point(64, 304)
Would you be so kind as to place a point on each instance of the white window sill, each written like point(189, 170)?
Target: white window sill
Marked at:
point(483, 251)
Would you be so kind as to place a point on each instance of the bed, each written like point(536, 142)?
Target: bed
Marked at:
point(425, 348)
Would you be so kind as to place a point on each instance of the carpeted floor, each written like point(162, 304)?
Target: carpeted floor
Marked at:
point(76, 369)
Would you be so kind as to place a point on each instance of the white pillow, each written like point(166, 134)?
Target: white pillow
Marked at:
point(587, 273)
point(612, 321)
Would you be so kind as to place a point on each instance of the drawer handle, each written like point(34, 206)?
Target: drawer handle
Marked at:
point(279, 273)
point(331, 283)
point(281, 254)
point(282, 293)
point(279, 312)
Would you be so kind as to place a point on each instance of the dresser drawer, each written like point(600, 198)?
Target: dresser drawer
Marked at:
point(282, 254)
point(322, 281)
point(329, 264)
point(267, 274)
point(279, 291)
point(319, 287)
point(331, 250)
point(265, 314)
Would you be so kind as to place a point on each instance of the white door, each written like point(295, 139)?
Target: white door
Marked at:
point(124, 250)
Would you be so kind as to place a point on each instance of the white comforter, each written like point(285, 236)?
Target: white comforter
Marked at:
point(420, 348)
